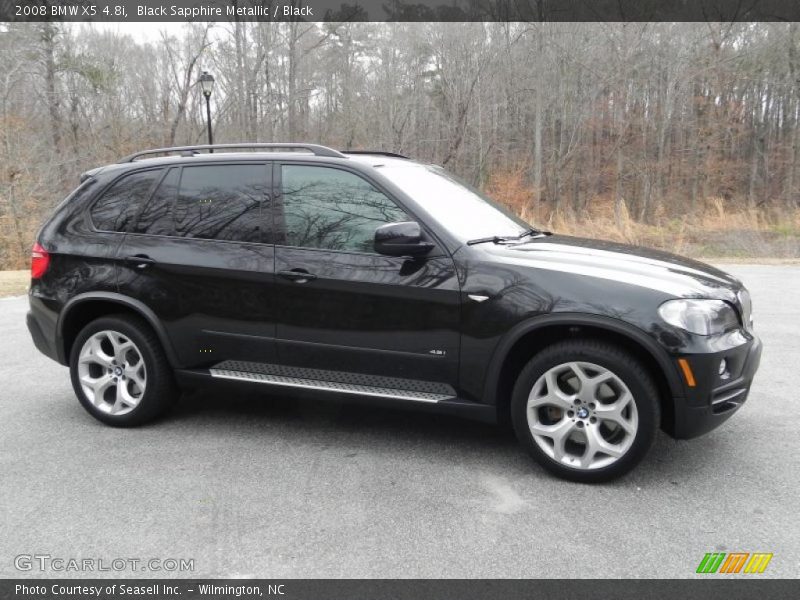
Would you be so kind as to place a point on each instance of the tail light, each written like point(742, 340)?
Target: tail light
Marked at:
point(40, 260)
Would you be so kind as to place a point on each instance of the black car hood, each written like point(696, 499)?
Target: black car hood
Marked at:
point(635, 265)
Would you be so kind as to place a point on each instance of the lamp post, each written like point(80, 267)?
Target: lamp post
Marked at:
point(207, 85)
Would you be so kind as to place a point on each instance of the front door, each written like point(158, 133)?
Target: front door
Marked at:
point(201, 257)
point(346, 312)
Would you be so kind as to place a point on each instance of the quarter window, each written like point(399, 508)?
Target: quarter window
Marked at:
point(118, 206)
point(334, 209)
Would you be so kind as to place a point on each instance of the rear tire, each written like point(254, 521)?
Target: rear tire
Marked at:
point(585, 410)
point(120, 373)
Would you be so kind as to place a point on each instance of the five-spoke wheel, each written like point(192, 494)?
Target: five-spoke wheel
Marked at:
point(585, 409)
point(582, 414)
point(119, 371)
point(112, 372)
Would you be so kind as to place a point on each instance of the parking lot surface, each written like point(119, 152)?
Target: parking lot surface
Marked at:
point(249, 486)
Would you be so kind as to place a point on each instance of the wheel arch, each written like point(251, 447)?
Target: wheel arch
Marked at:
point(532, 336)
point(84, 308)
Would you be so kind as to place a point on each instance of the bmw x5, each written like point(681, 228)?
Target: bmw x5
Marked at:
point(372, 276)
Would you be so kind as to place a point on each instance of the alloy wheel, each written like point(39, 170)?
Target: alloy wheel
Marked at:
point(582, 415)
point(112, 372)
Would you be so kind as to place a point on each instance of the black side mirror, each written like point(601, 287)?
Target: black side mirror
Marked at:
point(401, 239)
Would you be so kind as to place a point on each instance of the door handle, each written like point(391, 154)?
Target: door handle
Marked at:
point(297, 275)
point(140, 262)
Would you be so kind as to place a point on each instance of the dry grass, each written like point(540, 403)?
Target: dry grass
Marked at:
point(713, 233)
point(14, 283)
point(716, 231)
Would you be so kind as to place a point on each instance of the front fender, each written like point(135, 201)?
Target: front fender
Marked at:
point(621, 328)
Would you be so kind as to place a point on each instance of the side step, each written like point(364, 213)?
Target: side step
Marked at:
point(333, 381)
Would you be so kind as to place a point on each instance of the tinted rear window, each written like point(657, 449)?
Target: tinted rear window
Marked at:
point(221, 202)
point(156, 218)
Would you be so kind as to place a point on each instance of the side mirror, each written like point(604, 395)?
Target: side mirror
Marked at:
point(401, 239)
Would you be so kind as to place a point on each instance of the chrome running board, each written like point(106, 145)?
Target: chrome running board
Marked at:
point(279, 376)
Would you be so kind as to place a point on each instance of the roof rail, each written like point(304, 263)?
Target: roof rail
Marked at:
point(378, 152)
point(315, 149)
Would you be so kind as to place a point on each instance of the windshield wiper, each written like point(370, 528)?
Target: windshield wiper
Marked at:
point(498, 239)
point(533, 233)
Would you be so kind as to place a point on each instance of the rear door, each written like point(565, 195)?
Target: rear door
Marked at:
point(111, 214)
point(201, 256)
point(368, 318)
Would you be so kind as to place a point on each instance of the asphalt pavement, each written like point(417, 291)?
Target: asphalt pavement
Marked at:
point(248, 486)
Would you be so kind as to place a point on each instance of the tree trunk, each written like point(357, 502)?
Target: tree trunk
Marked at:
point(48, 33)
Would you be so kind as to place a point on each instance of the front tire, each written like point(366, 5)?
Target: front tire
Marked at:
point(120, 373)
point(585, 410)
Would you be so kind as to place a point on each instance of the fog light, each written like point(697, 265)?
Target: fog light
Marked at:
point(723, 369)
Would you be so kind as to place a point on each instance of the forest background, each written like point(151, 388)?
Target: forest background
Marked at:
point(682, 136)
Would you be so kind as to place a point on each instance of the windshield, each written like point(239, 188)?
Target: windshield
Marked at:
point(459, 207)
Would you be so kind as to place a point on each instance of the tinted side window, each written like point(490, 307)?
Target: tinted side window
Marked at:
point(117, 207)
point(221, 202)
point(334, 209)
point(156, 218)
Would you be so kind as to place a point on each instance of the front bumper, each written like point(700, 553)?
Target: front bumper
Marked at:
point(713, 401)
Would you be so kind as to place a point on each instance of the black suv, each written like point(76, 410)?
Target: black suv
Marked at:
point(374, 276)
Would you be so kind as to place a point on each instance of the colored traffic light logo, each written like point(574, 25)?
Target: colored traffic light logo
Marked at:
point(734, 562)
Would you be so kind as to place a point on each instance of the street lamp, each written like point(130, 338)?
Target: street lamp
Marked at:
point(207, 85)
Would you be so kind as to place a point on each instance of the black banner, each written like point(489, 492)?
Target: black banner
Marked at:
point(738, 588)
point(399, 10)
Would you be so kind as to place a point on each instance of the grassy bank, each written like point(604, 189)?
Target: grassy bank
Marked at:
point(715, 230)
point(14, 283)
point(711, 234)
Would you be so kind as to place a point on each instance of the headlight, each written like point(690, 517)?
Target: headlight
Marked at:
point(703, 317)
point(747, 309)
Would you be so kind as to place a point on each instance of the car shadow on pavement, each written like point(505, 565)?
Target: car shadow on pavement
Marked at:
point(336, 414)
point(363, 428)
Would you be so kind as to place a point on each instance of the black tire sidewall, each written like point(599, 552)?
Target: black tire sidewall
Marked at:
point(153, 400)
point(622, 364)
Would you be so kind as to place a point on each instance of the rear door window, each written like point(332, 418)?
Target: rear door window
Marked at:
point(221, 202)
point(116, 209)
point(217, 202)
point(156, 218)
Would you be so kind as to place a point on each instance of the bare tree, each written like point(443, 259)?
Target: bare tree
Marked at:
point(631, 124)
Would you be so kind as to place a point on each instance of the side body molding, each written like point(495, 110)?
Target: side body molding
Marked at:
point(124, 301)
point(621, 328)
